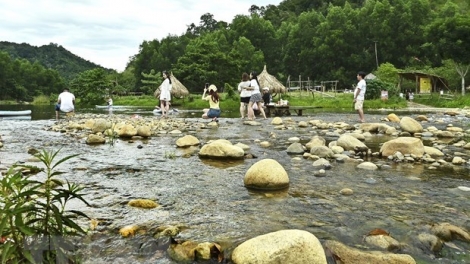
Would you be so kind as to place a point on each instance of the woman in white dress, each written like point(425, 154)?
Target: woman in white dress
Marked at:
point(165, 96)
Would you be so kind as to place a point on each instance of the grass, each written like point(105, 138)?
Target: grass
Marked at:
point(194, 101)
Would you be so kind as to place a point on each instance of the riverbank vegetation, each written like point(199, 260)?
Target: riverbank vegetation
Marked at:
point(296, 40)
point(35, 224)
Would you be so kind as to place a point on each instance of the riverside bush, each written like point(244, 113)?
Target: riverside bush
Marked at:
point(35, 227)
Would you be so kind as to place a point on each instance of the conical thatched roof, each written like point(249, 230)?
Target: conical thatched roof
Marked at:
point(267, 80)
point(177, 89)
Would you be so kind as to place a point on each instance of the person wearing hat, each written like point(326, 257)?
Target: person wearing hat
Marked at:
point(266, 96)
point(214, 110)
point(65, 103)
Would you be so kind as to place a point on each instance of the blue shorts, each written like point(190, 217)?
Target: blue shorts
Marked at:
point(57, 107)
point(213, 113)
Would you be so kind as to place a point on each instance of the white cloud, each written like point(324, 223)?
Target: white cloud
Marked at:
point(108, 32)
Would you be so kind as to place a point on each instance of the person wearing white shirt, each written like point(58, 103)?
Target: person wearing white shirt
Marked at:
point(165, 94)
point(65, 103)
point(255, 96)
point(359, 95)
point(244, 93)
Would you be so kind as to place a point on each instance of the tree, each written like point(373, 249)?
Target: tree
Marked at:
point(91, 86)
point(451, 29)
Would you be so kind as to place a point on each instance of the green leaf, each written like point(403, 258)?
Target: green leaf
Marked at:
point(22, 227)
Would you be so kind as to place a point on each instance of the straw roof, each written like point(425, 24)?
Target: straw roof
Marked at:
point(177, 88)
point(267, 80)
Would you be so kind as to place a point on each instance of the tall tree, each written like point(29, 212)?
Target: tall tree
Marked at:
point(451, 30)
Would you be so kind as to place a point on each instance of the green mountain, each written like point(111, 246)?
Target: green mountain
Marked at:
point(51, 56)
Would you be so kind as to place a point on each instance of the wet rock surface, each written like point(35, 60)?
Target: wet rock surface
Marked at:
point(404, 194)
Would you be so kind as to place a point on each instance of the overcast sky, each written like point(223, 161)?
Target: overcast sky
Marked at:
point(108, 32)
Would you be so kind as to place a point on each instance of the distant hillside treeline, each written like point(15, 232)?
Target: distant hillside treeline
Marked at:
point(51, 56)
point(317, 39)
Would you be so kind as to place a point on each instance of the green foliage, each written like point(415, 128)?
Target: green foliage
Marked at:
point(112, 135)
point(41, 100)
point(169, 155)
point(51, 56)
point(21, 80)
point(91, 86)
point(387, 73)
point(230, 92)
point(374, 88)
point(34, 218)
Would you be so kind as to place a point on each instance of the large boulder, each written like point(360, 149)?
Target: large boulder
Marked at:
point(405, 145)
point(127, 130)
point(221, 149)
point(285, 246)
point(410, 125)
point(266, 174)
point(100, 125)
point(322, 152)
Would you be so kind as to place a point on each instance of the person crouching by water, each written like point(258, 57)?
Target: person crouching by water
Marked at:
point(65, 103)
point(213, 98)
point(165, 95)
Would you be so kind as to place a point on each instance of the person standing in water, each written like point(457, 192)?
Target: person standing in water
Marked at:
point(244, 94)
point(255, 96)
point(359, 95)
point(165, 94)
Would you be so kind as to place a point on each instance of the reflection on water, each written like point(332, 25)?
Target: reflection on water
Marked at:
point(47, 112)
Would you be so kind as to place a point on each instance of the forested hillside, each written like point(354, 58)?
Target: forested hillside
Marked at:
point(317, 39)
point(320, 40)
point(50, 56)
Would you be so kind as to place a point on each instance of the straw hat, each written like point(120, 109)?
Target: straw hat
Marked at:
point(212, 88)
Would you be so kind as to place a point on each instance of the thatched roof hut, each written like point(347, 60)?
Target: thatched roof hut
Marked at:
point(177, 89)
point(267, 80)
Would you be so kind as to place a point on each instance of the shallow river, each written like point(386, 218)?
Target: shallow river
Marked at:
point(208, 196)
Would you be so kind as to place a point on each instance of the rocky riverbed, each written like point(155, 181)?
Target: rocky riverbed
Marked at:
point(397, 184)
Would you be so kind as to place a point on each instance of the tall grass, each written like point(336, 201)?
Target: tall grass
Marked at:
point(41, 100)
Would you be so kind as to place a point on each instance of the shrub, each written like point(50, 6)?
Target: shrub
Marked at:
point(34, 223)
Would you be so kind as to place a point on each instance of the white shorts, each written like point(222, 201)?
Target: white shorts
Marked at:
point(359, 104)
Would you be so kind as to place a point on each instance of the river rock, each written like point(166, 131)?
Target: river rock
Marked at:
point(144, 131)
point(266, 174)
point(285, 246)
point(295, 148)
point(349, 255)
point(410, 125)
point(385, 242)
point(127, 130)
point(367, 166)
point(393, 118)
point(99, 125)
point(316, 141)
point(433, 152)
point(430, 242)
point(187, 141)
point(276, 121)
point(221, 149)
point(349, 142)
point(94, 139)
point(405, 145)
point(448, 232)
point(322, 152)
